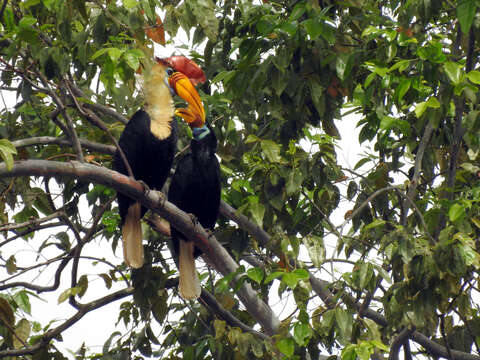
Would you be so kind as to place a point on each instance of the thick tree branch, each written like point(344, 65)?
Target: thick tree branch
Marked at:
point(156, 201)
point(398, 342)
point(244, 222)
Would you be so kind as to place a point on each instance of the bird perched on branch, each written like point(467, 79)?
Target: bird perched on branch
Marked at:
point(195, 188)
point(149, 140)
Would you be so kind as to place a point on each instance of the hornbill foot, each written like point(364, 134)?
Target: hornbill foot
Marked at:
point(144, 186)
point(193, 218)
point(209, 232)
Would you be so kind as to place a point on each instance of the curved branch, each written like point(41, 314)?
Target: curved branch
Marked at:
point(106, 111)
point(39, 289)
point(46, 140)
point(417, 169)
point(155, 201)
point(30, 230)
point(244, 222)
point(398, 342)
point(210, 301)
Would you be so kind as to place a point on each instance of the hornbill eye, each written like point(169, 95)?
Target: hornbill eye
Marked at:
point(169, 71)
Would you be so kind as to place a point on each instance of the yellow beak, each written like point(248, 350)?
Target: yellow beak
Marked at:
point(194, 115)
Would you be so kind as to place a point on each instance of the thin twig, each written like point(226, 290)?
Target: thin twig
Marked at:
point(49, 335)
point(14, 226)
point(417, 170)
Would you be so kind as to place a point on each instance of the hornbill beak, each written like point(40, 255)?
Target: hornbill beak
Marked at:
point(194, 115)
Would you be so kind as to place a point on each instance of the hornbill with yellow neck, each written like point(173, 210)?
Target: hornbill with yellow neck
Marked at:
point(195, 188)
point(149, 140)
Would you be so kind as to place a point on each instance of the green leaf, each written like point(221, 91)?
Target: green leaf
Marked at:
point(271, 150)
point(114, 54)
point(343, 65)
point(294, 182)
point(313, 28)
point(466, 10)
point(420, 108)
point(401, 66)
point(23, 301)
point(371, 30)
point(67, 293)
point(22, 332)
point(204, 11)
point(224, 76)
point(99, 53)
point(48, 4)
point(7, 150)
point(402, 88)
point(298, 11)
point(302, 333)
point(11, 265)
point(453, 71)
point(344, 321)
point(251, 138)
point(219, 326)
point(132, 58)
point(349, 352)
point(107, 279)
point(129, 4)
point(82, 285)
point(316, 250)
point(256, 274)
point(277, 274)
point(286, 346)
point(474, 77)
point(258, 211)
point(27, 22)
point(265, 27)
point(432, 102)
point(291, 279)
point(456, 212)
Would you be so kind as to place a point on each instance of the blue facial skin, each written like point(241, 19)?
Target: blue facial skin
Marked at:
point(200, 133)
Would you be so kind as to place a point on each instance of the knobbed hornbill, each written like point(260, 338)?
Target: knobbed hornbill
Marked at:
point(195, 188)
point(149, 140)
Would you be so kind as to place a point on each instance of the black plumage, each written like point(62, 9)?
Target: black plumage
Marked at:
point(149, 157)
point(195, 188)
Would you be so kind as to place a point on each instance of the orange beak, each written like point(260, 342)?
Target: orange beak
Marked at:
point(194, 115)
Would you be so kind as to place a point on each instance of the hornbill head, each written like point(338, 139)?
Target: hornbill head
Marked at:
point(182, 74)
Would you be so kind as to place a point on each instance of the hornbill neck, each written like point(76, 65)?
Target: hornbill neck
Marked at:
point(159, 102)
point(204, 144)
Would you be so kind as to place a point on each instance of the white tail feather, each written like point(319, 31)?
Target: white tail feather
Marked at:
point(189, 284)
point(132, 237)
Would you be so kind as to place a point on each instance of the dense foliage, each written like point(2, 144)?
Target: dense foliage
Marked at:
point(402, 277)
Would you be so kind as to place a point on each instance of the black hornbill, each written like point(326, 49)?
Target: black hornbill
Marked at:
point(149, 140)
point(195, 189)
